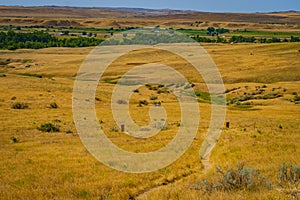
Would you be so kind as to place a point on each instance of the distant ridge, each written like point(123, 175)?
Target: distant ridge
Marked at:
point(141, 17)
point(129, 9)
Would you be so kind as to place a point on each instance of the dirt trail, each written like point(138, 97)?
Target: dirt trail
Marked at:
point(144, 193)
point(204, 153)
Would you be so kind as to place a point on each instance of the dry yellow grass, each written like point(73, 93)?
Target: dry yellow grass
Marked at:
point(105, 17)
point(57, 166)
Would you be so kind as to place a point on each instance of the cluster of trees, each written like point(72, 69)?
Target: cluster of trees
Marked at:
point(242, 39)
point(152, 39)
point(238, 39)
point(10, 27)
point(295, 39)
point(39, 39)
point(149, 39)
point(212, 31)
point(11, 40)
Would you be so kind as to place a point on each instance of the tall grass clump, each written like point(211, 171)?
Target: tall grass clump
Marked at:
point(289, 173)
point(20, 105)
point(49, 127)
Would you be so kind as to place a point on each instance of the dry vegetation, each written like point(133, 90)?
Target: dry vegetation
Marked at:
point(56, 165)
point(42, 156)
point(101, 17)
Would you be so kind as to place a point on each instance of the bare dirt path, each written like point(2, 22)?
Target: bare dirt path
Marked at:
point(147, 191)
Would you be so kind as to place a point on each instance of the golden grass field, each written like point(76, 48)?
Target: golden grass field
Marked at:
point(57, 165)
point(265, 133)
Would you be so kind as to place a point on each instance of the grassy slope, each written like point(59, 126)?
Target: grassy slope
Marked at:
point(56, 165)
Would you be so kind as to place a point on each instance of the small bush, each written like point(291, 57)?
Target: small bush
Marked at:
point(231, 90)
point(143, 102)
point(289, 173)
point(163, 90)
point(83, 194)
point(270, 96)
point(157, 103)
point(114, 129)
point(49, 127)
point(20, 105)
point(14, 139)
point(53, 105)
point(297, 98)
point(241, 178)
point(136, 91)
point(153, 97)
point(11, 47)
point(148, 86)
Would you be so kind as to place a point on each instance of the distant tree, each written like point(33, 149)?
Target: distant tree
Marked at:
point(295, 39)
point(240, 38)
point(210, 31)
point(65, 32)
point(275, 39)
point(12, 40)
point(222, 30)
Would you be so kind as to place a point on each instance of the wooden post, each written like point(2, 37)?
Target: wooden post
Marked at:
point(227, 124)
point(123, 127)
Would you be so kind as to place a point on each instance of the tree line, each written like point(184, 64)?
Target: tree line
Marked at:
point(242, 39)
point(39, 39)
point(149, 39)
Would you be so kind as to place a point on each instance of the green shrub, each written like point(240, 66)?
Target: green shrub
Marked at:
point(157, 103)
point(11, 47)
point(289, 173)
point(163, 90)
point(49, 127)
point(297, 98)
point(240, 178)
point(153, 97)
point(83, 194)
point(14, 139)
point(20, 105)
point(114, 129)
point(97, 99)
point(203, 95)
point(143, 102)
point(53, 105)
